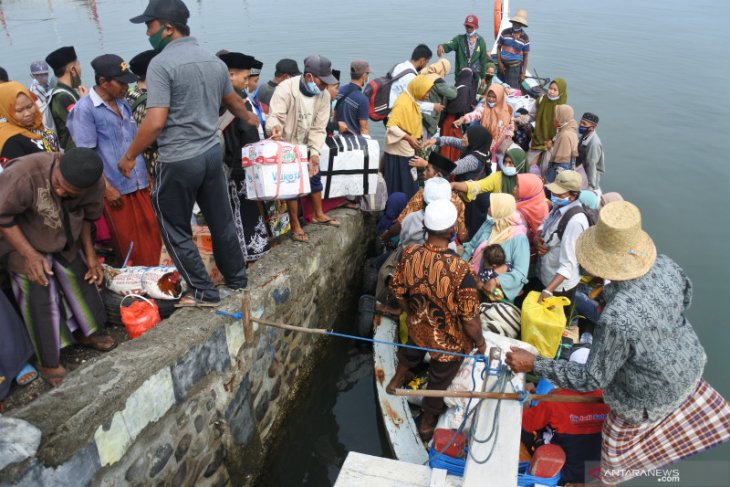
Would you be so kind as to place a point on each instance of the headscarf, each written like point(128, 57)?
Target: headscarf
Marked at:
point(441, 68)
point(606, 198)
point(406, 113)
point(393, 207)
point(479, 143)
point(589, 199)
point(503, 207)
point(565, 147)
point(9, 126)
point(531, 201)
point(501, 112)
point(544, 129)
point(519, 159)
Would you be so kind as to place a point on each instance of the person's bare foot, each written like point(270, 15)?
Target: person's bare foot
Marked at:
point(398, 379)
point(53, 375)
point(102, 343)
point(384, 309)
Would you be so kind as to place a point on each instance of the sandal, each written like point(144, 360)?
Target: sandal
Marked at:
point(53, 376)
point(328, 222)
point(26, 375)
point(189, 301)
point(101, 343)
point(299, 237)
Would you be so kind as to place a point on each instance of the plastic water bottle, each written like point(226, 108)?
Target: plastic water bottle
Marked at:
point(586, 337)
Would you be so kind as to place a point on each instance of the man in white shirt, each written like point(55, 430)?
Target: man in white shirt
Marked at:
point(419, 59)
point(559, 271)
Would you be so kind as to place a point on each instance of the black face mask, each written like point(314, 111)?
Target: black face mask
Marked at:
point(488, 79)
point(75, 79)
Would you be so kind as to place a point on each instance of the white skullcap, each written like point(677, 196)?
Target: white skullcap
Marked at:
point(436, 189)
point(439, 215)
point(580, 355)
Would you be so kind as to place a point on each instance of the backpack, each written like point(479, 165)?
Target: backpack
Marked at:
point(377, 92)
point(591, 215)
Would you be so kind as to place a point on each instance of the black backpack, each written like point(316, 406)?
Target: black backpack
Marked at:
point(378, 93)
point(591, 216)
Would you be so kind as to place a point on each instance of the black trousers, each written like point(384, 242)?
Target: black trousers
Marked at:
point(440, 375)
point(178, 185)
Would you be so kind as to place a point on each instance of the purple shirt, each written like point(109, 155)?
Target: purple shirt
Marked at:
point(95, 125)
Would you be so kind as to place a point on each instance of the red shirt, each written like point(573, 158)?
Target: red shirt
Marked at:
point(567, 417)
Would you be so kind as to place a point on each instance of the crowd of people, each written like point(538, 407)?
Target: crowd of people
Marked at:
point(486, 201)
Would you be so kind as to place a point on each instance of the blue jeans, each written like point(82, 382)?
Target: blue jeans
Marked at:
point(554, 168)
point(587, 307)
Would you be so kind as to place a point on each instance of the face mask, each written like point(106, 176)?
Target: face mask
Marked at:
point(559, 201)
point(509, 171)
point(553, 98)
point(312, 87)
point(517, 29)
point(582, 130)
point(490, 219)
point(334, 102)
point(472, 34)
point(488, 79)
point(75, 80)
point(491, 105)
point(156, 40)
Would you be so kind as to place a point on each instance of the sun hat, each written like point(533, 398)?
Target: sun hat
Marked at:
point(520, 16)
point(439, 215)
point(565, 181)
point(471, 21)
point(436, 189)
point(616, 248)
point(39, 67)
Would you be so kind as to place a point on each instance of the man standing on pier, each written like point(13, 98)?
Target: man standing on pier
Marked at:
point(513, 47)
point(68, 90)
point(190, 164)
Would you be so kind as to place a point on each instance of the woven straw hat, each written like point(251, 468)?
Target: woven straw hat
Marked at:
point(520, 16)
point(616, 248)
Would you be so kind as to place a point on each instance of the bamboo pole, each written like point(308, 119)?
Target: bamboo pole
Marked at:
point(497, 395)
point(283, 326)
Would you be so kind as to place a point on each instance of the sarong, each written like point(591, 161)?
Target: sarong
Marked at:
point(249, 222)
point(701, 422)
point(52, 313)
point(135, 221)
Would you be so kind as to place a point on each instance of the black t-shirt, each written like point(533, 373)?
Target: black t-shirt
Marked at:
point(20, 145)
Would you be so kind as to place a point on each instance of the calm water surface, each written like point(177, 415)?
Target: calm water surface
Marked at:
point(655, 72)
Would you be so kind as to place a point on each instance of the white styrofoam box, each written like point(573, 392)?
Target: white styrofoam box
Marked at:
point(275, 170)
point(349, 166)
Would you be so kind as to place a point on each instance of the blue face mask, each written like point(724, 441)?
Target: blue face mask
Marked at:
point(490, 219)
point(559, 201)
point(517, 29)
point(509, 171)
point(491, 105)
point(582, 130)
point(312, 87)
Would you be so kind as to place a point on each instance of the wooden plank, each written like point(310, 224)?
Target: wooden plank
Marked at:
point(360, 470)
point(399, 424)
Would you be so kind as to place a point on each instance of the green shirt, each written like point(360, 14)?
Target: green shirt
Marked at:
point(63, 100)
point(459, 44)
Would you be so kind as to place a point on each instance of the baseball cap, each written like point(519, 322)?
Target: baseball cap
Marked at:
point(359, 68)
point(471, 21)
point(287, 66)
point(565, 181)
point(111, 66)
point(439, 215)
point(170, 10)
point(321, 67)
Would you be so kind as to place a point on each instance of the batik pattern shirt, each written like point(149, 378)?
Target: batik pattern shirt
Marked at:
point(441, 294)
point(416, 204)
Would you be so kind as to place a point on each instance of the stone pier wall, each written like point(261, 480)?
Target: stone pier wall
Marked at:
point(193, 401)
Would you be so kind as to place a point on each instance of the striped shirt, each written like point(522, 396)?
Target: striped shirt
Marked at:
point(513, 45)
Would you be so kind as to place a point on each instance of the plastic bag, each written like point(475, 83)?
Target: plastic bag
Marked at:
point(140, 316)
point(543, 323)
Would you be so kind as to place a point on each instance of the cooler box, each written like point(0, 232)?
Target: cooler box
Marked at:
point(275, 170)
point(349, 166)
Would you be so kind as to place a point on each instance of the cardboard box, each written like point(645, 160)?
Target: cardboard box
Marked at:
point(202, 238)
point(208, 262)
point(349, 166)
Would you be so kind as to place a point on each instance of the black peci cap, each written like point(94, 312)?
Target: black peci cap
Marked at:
point(61, 57)
point(237, 60)
point(441, 163)
point(170, 10)
point(81, 167)
point(287, 66)
point(139, 63)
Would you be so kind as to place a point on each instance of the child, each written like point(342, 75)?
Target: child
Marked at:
point(523, 129)
point(493, 265)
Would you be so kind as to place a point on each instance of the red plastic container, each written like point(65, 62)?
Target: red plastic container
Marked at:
point(547, 461)
point(441, 438)
point(140, 316)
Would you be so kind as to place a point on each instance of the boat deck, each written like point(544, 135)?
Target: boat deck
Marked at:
point(360, 470)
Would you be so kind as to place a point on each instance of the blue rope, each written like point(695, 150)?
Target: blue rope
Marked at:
point(476, 357)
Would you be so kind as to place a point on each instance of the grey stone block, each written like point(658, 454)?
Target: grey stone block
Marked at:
point(79, 470)
point(183, 446)
point(217, 461)
point(160, 459)
point(200, 361)
point(18, 440)
point(240, 414)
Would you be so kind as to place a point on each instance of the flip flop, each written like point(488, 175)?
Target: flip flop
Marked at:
point(330, 222)
point(299, 237)
point(189, 301)
point(53, 379)
point(26, 375)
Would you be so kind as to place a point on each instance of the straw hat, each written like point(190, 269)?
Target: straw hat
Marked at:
point(616, 248)
point(520, 16)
